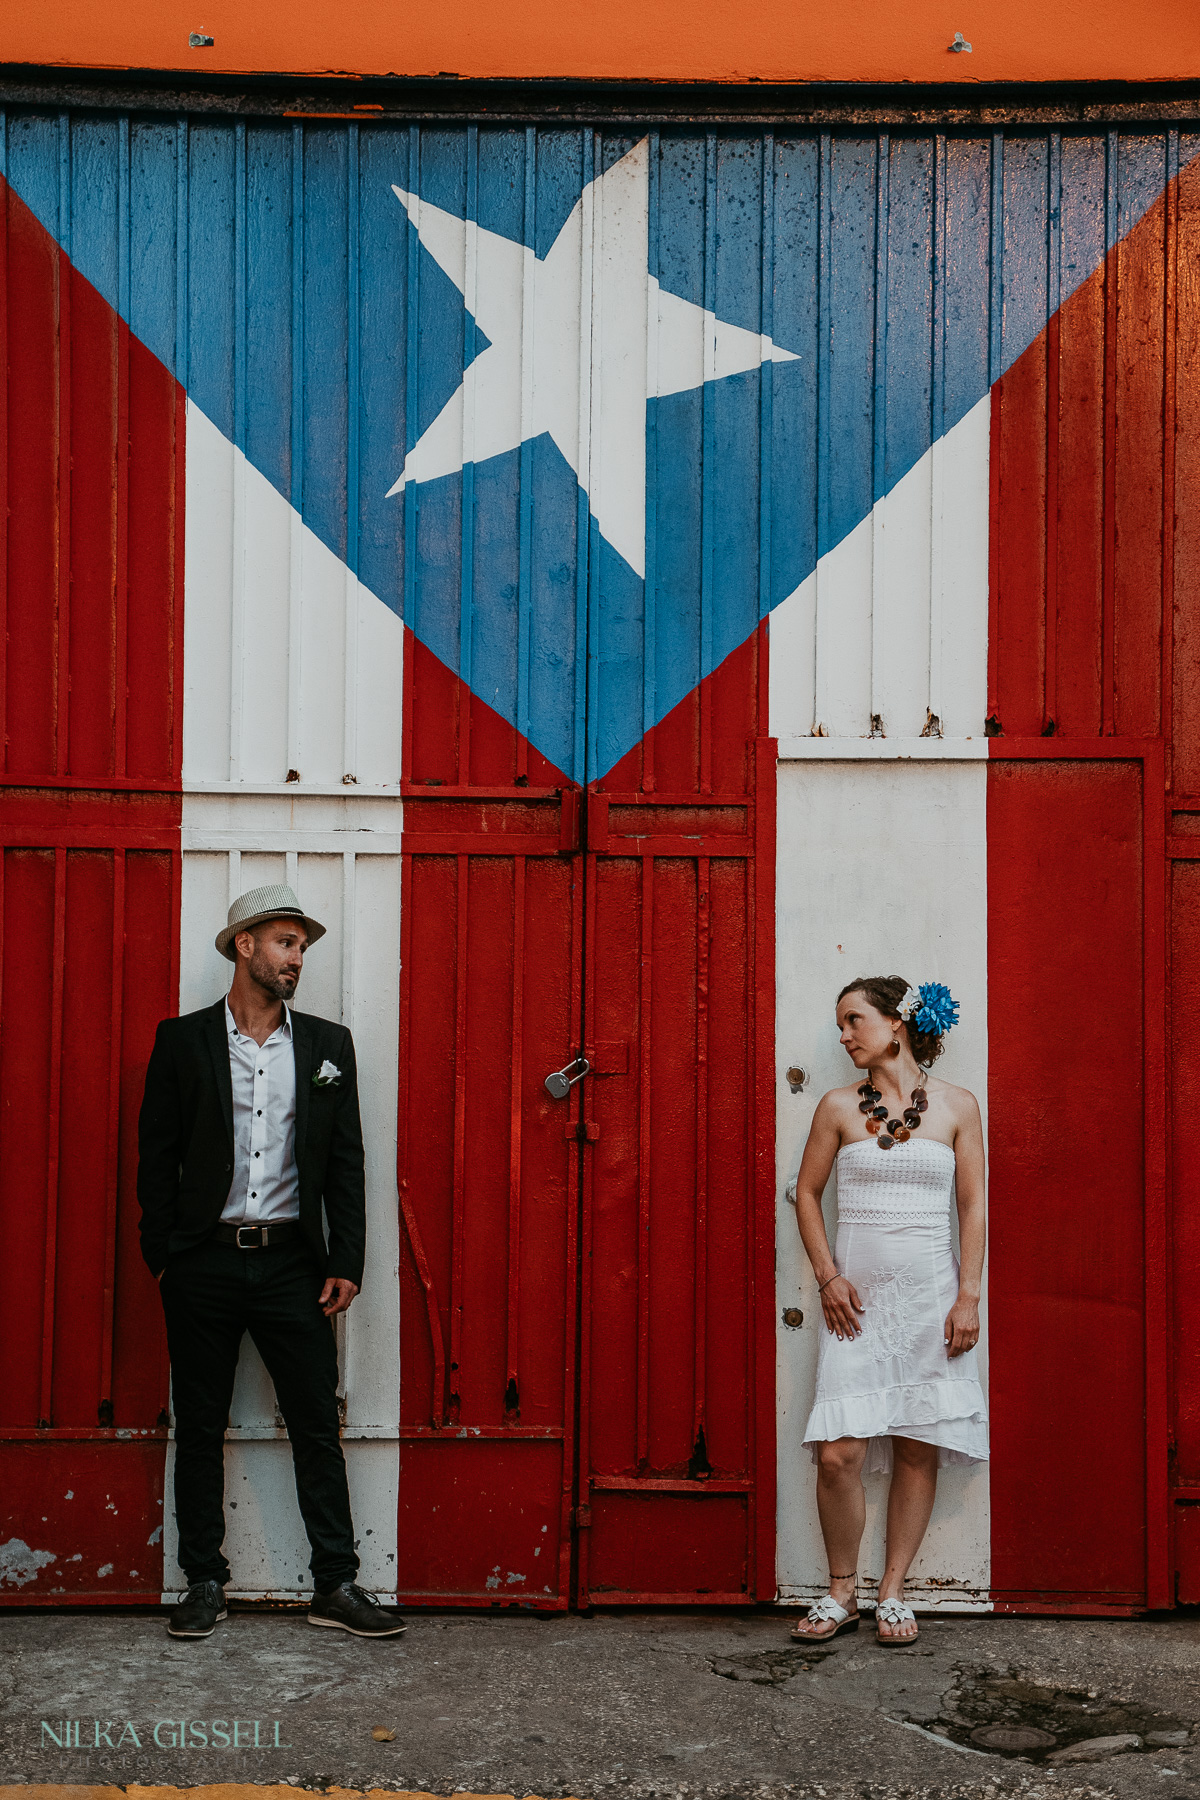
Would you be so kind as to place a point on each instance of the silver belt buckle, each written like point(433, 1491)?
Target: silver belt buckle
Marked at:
point(242, 1246)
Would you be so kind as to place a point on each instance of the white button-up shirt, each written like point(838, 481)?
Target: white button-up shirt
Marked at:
point(265, 1182)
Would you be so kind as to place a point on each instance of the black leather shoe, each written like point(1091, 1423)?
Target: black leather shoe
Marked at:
point(350, 1608)
point(199, 1612)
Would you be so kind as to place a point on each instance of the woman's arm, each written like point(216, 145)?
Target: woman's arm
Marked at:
point(962, 1321)
point(839, 1302)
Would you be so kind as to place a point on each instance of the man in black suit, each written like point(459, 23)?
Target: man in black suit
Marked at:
point(249, 1121)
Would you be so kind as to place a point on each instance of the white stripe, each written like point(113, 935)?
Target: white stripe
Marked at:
point(270, 651)
point(893, 620)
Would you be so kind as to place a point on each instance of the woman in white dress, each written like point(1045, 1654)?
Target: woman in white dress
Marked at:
point(897, 1382)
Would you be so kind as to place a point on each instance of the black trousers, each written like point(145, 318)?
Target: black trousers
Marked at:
point(211, 1295)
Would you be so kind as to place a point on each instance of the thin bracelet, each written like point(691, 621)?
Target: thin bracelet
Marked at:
point(828, 1279)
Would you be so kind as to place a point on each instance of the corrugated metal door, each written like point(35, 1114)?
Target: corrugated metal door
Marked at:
point(677, 1420)
point(491, 949)
point(603, 1368)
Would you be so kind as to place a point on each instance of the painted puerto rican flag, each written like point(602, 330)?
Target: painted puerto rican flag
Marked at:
point(565, 416)
point(684, 368)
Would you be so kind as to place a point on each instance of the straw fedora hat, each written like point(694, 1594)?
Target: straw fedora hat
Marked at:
point(259, 905)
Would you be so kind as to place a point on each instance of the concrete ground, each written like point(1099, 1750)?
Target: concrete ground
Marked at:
point(623, 1704)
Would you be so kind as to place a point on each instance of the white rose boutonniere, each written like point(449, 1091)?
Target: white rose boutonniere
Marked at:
point(328, 1075)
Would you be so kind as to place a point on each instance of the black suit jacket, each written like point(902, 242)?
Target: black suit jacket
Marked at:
point(185, 1140)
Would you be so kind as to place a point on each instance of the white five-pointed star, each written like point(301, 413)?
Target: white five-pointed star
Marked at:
point(578, 342)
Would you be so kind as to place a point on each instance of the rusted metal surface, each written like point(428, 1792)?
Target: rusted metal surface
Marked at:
point(502, 101)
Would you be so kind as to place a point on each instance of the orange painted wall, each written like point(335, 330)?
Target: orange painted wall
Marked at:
point(668, 40)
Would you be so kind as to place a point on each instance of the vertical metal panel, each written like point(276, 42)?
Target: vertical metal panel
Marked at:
point(1090, 511)
point(1181, 526)
point(676, 1455)
point(1067, 1220)
point(491, 952)
point(100, 435)
point(1079, 451)
point(1185, 996)
point(84, 1380)
point(89, 841)
point(1184, 525)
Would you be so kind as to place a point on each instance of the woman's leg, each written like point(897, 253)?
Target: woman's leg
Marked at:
point(910, 1502)
point(842, 1508)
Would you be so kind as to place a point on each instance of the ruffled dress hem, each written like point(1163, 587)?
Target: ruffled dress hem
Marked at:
point(949, 1414)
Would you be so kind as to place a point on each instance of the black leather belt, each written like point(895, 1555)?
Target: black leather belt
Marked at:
point(257, 1237)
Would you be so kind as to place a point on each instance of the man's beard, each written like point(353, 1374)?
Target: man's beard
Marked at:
point(279, 985)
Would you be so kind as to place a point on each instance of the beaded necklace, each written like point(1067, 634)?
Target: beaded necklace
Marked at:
point(885, 1131)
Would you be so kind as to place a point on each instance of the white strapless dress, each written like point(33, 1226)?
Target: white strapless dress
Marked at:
point(893, 1245)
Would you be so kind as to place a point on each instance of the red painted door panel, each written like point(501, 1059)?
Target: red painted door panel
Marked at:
point(1185, 1214)
point(669, 1214)
point(1067, 1196)
point(490, 1004)
point(88, 937)
point(676, 1497)
point(633, 1218)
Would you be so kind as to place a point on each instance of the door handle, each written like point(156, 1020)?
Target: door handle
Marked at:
point(559, 1084)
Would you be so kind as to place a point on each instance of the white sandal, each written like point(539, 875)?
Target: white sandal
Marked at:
point(895, 1612)
point(818, 1612)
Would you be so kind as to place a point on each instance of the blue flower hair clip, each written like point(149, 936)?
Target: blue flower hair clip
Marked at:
point(931, 1007)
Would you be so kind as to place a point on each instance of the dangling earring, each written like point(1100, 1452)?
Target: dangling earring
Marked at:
point(894, 1047)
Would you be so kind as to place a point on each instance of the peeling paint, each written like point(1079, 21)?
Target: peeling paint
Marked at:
point(155, 1536)
point(513, 1576)
point(19, 1564)
point(105, 1569)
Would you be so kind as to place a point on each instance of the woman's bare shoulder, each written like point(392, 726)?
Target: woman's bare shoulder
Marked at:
point(837, 1103)
point(830, 1125)
point(960, 1100)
